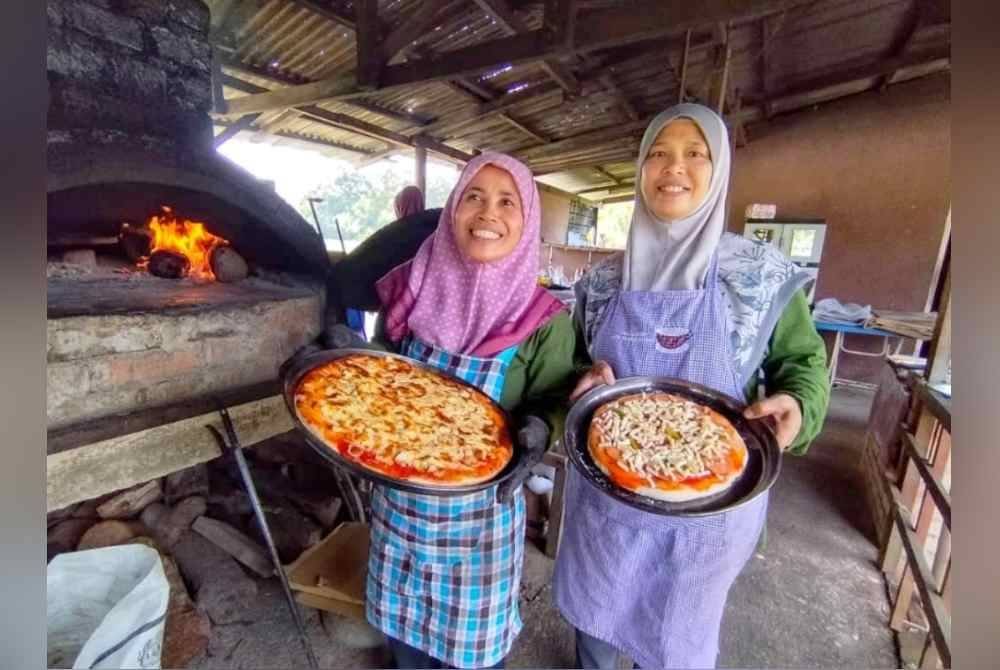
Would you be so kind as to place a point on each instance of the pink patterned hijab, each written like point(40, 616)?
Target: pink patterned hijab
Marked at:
point(408, 201)
point(463, 306)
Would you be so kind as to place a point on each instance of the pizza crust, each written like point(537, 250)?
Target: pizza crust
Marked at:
point(672, 491)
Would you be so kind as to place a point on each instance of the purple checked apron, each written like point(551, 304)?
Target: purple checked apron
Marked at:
point(444, 572)
point(652, 586)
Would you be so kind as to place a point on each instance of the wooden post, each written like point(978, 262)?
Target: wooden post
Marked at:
point(939, 359)
point(420, 158)
point(939, 263)
point(681, 93)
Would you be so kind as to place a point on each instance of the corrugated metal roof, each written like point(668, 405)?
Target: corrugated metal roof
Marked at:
point(289, 42)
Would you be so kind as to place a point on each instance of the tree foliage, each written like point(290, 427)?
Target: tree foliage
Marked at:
point(362, 201)
point(613, 222)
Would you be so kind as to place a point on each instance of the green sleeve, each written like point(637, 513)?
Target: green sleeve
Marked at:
point(796, 365)
point(543, 373)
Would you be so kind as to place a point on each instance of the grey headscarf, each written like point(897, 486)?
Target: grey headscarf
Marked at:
point(675, 255)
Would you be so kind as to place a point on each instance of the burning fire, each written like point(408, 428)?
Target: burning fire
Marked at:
point(185, 237)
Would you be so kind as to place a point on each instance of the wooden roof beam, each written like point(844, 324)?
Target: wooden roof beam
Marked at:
point(352, 124)
point(586, 139)
point(417, 120)
point(512, 24)
point(766, 34)
point(619, 198)
point(234, 129)
point(626, 104)
point(911, 26)
point(597, 30)
point(413, 26)
point(853, 75)
point(369, 49)
point(228, 15)
point(501, 104)
point(599, 189)
point(333, 10)
point(719, 79)
point(523, 128)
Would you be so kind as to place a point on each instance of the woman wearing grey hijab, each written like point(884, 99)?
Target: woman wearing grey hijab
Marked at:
point(687, 300)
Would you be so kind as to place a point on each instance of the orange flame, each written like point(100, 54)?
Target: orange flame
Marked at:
point(185, 237)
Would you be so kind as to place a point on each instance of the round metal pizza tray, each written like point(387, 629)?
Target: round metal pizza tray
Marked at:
point(520, 462)
point(764, 456)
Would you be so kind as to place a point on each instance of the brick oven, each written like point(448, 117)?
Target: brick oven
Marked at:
point(135, 362)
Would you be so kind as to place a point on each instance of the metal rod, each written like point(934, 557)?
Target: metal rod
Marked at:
point(319, 228)
point(233, 446)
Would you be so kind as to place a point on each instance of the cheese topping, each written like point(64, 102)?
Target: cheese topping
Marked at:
point(397, 414)
point(673, 440)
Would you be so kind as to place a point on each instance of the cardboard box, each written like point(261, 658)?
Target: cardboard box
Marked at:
point(331, 575)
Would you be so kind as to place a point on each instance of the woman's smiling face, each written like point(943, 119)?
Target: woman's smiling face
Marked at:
point(677, 171)
point(488, 220)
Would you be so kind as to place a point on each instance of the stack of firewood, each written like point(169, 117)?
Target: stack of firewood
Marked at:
point(201, 522)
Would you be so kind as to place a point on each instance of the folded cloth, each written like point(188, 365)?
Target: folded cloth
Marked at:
point(834, 311)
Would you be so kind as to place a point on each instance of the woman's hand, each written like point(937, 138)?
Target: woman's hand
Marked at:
point(600, 373)
point(785, 415)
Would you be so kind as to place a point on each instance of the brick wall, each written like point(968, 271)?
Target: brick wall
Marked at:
point(141, 67)
point(102, 365)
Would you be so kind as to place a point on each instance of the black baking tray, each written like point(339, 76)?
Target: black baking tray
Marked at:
point(764, 455)
point(515, 472)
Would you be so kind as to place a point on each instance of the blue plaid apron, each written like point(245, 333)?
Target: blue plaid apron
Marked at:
point(655, 587)
point(444, 572)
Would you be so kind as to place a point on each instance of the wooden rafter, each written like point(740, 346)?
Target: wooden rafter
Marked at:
point(597, 30)
point(370, 58)
point(512, 24)
point(911, 26)
point(349, 123)
point(501, 104)
point(234, 129)
point(227, 16)
point(241, 69)
point(300, 137)
point(766, 35)
point(857, 74)
point(626, 104)
point(685, 55)
point(332, 10)
point(523, 128)
point(719, 82)
point(620, 198)
point(607, 175)
point(586, 139)
point(601, 189)
point(412, 27)
point(551, 158)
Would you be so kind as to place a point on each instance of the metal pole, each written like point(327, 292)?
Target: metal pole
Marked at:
point(233, 446)
point(319, 228)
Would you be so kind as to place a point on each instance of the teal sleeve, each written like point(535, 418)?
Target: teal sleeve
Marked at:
point(796, 365)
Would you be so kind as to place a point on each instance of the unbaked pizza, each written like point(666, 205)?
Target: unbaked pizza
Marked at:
point(666, 447)
point(404, 421)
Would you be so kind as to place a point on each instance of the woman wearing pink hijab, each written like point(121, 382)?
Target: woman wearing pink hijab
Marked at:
point(408, 201)
point(444, 572)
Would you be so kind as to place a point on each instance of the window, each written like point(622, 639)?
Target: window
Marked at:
point(582, 229)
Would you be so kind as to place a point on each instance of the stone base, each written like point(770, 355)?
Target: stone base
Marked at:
point(199, 340)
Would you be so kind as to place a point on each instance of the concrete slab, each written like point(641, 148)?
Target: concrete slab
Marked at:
point(814, 596)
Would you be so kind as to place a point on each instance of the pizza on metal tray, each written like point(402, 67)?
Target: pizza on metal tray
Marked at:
point(666, 447)
point(403, 421)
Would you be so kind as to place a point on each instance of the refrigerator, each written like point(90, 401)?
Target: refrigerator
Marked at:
point(801, 240)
